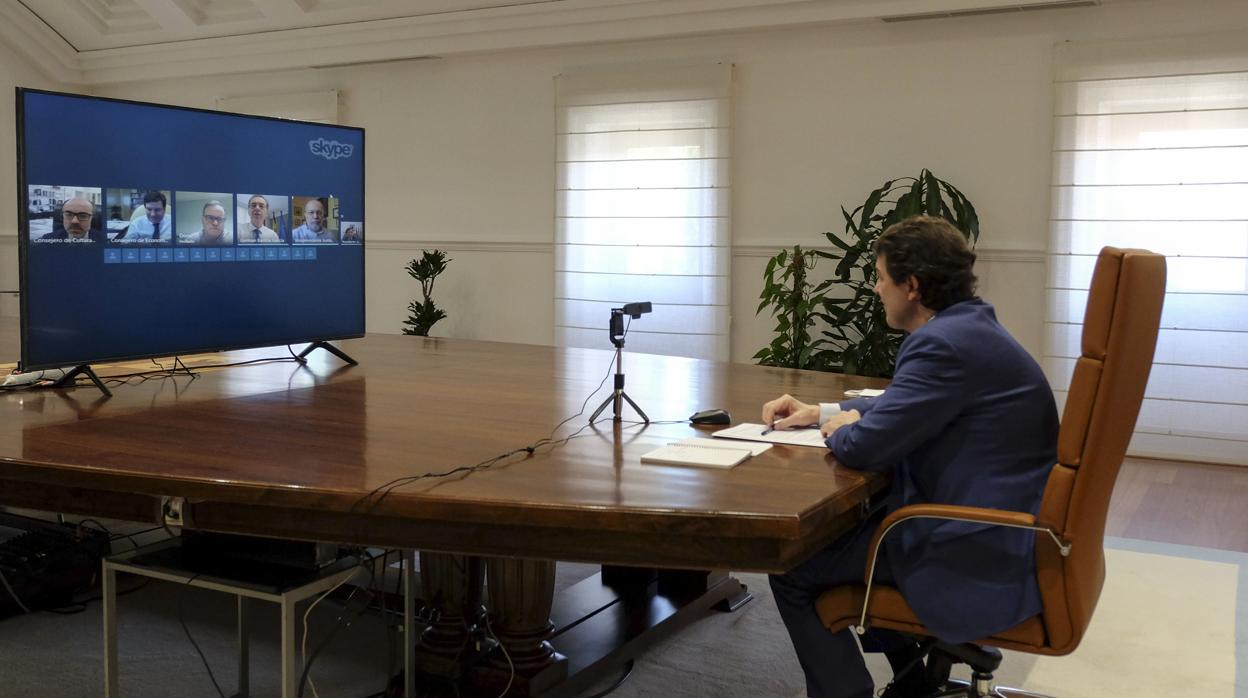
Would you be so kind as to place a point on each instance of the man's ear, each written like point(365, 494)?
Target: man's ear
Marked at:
point(913, 284)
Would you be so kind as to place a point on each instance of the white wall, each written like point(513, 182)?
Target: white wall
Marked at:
point(460, 151)
point(15, 71)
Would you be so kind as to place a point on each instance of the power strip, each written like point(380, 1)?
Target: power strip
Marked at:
point(15, 379)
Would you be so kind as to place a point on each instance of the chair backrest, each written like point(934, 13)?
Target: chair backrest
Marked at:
point(1106, 390)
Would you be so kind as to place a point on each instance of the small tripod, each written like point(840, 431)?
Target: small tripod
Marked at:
point(617, 338)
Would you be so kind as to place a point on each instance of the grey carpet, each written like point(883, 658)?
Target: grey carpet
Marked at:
point(45, 655)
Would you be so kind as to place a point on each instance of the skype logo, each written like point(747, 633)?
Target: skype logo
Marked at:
point(330, 150)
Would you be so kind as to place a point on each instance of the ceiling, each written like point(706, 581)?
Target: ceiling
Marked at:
point(92, 25)
point(101, 41)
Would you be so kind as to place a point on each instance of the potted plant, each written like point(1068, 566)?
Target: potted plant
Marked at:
point(789, 292)
point(855, 337)
point(423, 314)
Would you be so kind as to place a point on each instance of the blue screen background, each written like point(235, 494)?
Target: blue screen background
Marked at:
point(77, 309)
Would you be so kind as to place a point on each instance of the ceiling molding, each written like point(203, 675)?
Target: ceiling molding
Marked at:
point(23, 31)
point(503, 27)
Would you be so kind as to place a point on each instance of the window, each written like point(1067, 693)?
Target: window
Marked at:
point(1151, 150)
point(642, 212)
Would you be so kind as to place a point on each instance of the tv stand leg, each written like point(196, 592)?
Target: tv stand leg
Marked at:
point(302, 356)
point(68, 380)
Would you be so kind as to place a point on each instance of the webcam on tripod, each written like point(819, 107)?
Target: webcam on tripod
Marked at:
point(616, 328)
point(633, 310)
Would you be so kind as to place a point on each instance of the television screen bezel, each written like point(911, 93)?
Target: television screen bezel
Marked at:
point(23, 223)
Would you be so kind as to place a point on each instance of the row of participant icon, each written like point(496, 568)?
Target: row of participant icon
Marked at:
point(145, 255)
point(73, 214)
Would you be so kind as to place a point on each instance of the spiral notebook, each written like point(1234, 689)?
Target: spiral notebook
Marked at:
point(704, 453)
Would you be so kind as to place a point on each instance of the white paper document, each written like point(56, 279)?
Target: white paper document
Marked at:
point(704, 452)
point(791, 437)
point(755, 448)
point(864, 392)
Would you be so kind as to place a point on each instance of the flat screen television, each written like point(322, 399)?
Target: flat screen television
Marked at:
point(151, 230)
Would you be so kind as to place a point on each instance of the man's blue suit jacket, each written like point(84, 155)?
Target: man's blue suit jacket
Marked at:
point(968, 419)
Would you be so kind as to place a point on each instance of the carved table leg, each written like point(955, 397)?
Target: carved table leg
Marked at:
point(451, 585)
point(521, 593)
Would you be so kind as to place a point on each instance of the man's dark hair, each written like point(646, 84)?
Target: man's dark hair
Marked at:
point(934, 252)
point(154, 196)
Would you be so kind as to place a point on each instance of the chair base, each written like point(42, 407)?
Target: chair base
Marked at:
point(983, 687)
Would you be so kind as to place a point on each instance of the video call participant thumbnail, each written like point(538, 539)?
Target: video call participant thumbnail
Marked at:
point(77, 223)
point(352, 231)
point(213, 231)
point(315, 227)
point(256, 229)
point(156, 223)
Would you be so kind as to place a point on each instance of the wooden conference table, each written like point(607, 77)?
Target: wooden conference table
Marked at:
point(293, 451)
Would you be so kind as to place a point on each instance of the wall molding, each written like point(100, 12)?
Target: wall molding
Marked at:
point(448, 245)
point(983, 254)
point(460, 246)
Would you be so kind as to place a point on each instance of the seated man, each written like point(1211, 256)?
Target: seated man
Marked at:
point(213, 231)
point(968, 419)
point(77, 218)
point(154, 226)
point(313, 228)
point(256, 231)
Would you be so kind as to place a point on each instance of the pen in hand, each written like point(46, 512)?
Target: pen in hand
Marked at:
point(770, 428)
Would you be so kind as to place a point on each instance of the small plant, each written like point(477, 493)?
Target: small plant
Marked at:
point(424, 314)
point(791, 296)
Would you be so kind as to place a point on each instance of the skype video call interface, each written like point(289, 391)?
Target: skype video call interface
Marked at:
point(151, 230)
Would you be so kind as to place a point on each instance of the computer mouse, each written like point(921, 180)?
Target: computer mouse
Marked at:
point(711, 417)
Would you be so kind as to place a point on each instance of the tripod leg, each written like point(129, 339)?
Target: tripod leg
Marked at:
point(603, 406)
point(644, 418)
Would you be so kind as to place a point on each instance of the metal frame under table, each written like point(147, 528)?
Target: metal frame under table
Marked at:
point(161, 561)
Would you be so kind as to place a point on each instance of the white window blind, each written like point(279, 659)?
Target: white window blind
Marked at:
point(642, 212)
point(1151, 150)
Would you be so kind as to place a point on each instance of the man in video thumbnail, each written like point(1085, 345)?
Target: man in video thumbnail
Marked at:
point(213, 232)
point(76, 214)
point(256, 230)
point(313, 228)
point(153, 227)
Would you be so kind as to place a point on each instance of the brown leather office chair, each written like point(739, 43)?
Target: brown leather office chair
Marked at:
point(1119, 335)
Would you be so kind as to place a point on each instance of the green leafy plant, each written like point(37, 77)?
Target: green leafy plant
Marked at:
point(424, 314)
point(855, 337)
point(790, 294)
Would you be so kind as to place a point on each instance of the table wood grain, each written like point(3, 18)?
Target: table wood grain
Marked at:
point(293, 450)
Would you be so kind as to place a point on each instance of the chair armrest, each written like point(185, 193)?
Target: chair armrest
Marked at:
point(948, 512)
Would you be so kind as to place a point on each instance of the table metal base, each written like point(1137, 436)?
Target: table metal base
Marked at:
point(160, 561)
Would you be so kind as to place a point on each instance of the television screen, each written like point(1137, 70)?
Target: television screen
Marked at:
point(149, 230)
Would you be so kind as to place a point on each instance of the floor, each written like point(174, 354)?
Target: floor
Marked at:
point(1177, 502)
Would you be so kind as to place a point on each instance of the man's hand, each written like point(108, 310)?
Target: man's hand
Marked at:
point(787, 412)
point(837, 421)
